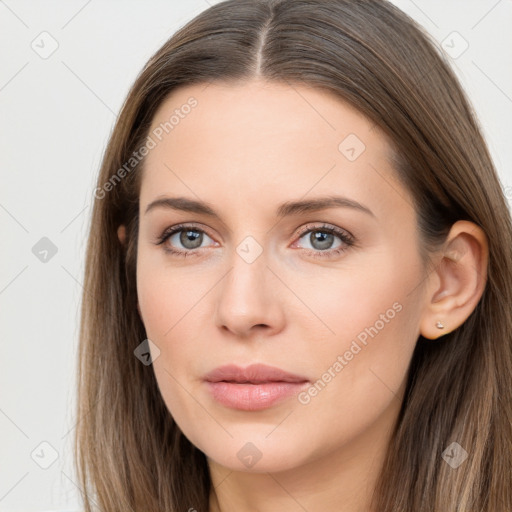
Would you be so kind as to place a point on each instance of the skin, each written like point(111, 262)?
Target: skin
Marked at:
point(246, 148)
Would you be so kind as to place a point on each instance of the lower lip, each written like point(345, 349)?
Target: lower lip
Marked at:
point(253, 397)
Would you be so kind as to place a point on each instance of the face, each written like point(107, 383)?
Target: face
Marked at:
point(254, 266)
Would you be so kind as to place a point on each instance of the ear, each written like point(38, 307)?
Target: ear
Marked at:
point(121, 233)
point(458, 280)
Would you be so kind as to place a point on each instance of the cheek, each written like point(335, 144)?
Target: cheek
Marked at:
point(365, 298)
point(361, 367)
point(174, 310)
point(165, 295)
point(168, 300)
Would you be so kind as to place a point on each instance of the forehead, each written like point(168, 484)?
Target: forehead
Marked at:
point(262, 140)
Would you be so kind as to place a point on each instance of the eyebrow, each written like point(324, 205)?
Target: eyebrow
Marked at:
point(286, 209)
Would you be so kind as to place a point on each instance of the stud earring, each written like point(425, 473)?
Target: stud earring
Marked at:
point(439, 325)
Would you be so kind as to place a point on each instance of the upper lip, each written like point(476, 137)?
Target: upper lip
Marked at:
point(254, 374)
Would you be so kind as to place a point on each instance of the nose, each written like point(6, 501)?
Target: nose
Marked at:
point(249, 300)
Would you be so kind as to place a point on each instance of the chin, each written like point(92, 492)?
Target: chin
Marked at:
point(254, 453)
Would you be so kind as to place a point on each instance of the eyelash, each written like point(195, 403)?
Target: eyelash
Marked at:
point(347, 239)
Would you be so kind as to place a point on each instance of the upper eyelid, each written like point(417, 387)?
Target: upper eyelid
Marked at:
point(187, 227)
point(172, 230)
point(326, 226)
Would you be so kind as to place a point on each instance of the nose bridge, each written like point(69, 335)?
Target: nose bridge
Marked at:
point(246, 298)
point(246, 281)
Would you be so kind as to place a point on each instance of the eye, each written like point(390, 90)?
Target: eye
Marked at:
point(322, 240)
point(189, 237)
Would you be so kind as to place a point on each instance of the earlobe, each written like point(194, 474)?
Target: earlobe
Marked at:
point(121, 234)
point(457, 282)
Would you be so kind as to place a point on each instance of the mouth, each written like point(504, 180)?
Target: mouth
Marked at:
point(253, 388)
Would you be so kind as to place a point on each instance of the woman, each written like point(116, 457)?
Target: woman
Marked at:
point(298, 277)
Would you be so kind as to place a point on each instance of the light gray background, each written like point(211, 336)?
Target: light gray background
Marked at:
point(56, 116)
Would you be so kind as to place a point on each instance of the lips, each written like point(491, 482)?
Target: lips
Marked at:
point(252, 388)
point(253, 374)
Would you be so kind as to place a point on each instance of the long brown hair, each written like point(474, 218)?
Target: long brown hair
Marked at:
point(130, 454)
